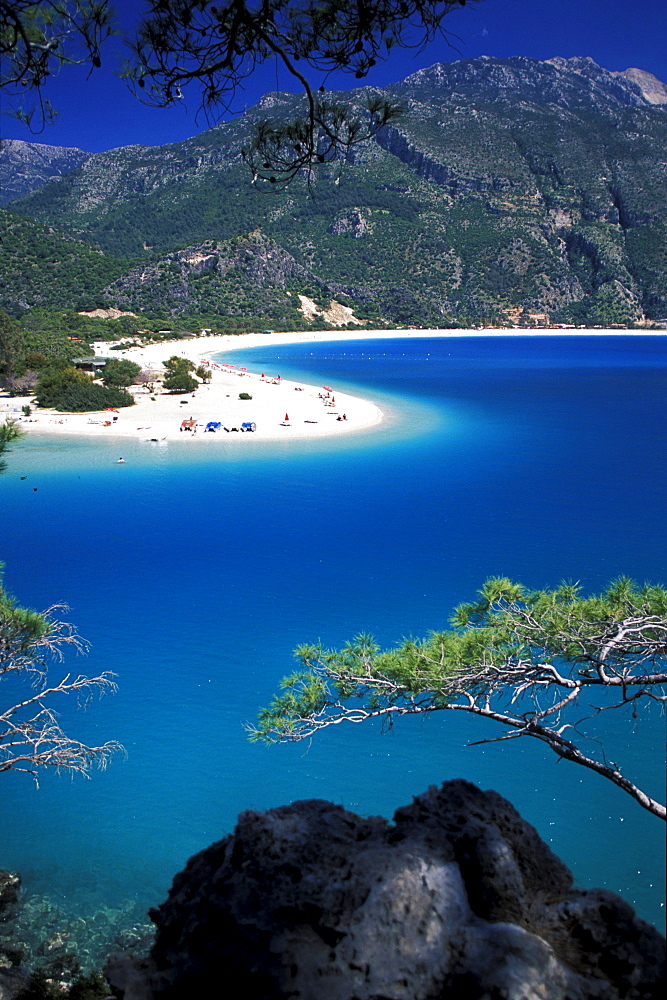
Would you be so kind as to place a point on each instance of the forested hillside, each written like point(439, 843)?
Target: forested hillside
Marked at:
point(509, 191)
point(41, 267)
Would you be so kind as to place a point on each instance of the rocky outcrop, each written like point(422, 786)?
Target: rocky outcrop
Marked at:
point(106, 313)
point(354, 223)
point(426, 165)
point(181, 281)
point(457, 898)
point(336, 314)
point(14, 982)
point(567, 83)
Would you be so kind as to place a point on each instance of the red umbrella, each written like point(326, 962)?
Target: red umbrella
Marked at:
point(287, 416)
point(243, 369)
point(110, 409)
point(328, 388)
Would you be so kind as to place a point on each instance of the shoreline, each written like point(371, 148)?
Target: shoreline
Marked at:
point(309, 409)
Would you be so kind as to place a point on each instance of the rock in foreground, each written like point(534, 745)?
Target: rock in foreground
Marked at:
point(458, 898)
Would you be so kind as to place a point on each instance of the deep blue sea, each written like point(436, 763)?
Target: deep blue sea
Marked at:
point(194, 573)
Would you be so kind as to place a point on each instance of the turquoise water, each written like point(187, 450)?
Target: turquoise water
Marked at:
point(194, 576)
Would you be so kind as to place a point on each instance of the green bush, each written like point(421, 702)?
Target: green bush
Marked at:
point(75, 392)
point(84, 398)
point(178, 377)
point(120, 372)
point(244, 395)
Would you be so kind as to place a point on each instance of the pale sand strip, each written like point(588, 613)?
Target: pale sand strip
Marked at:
point(309, 417)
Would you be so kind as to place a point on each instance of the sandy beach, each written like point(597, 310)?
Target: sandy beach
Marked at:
point(279, 408)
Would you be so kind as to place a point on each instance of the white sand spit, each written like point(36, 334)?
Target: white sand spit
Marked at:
point(309, 410)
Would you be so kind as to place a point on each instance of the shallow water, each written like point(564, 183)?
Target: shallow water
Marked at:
point(194, 576)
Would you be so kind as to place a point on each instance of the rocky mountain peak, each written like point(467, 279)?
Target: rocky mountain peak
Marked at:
point(653, 89)
point(570, 83)
point(510, 191)
point(27, 166)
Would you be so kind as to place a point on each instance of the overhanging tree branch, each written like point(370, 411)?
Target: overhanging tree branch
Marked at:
point(31, 736)
point(523, 659)
point(38, 38)
point(215, 48)
point(9, 432)
point(212, 48)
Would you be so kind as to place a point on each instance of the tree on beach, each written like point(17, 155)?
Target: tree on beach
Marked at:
point(527, 660)
point(149, 378)
point(179, 377)
point(120, 372)
point(213, 48)
point(9, 431)
point(64, 387)
point(31, 736)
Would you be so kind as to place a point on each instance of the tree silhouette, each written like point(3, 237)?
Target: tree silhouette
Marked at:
point(38, 38)
point(180, 45)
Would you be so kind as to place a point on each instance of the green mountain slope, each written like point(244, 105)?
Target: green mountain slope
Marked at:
point(509, 189)
point(43, 268)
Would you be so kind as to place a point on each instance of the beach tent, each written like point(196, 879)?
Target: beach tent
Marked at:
point(213, 425)
point(248, 425)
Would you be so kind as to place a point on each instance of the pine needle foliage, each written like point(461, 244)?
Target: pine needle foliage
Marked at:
point(526, 659)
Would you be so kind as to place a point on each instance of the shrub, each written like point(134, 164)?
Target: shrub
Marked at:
point(75, 392)
point(120, 372)
point(244, 395)
point(82, 398)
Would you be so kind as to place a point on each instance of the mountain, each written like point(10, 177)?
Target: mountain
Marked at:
point(653, 89)
point(27, 166)
point(509, 190)
point(43, 268)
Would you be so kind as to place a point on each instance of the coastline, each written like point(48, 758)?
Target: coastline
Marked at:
point(309, 409)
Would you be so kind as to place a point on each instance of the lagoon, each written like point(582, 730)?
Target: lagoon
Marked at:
point(195, 576)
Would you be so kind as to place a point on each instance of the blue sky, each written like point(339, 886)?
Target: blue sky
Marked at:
point(99, 112)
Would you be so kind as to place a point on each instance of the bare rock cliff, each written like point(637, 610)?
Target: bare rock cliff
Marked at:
point(457, 898)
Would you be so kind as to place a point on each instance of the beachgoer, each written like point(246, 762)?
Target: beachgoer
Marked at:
point(120, 460)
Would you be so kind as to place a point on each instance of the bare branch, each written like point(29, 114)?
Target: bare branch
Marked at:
point(31, 736)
